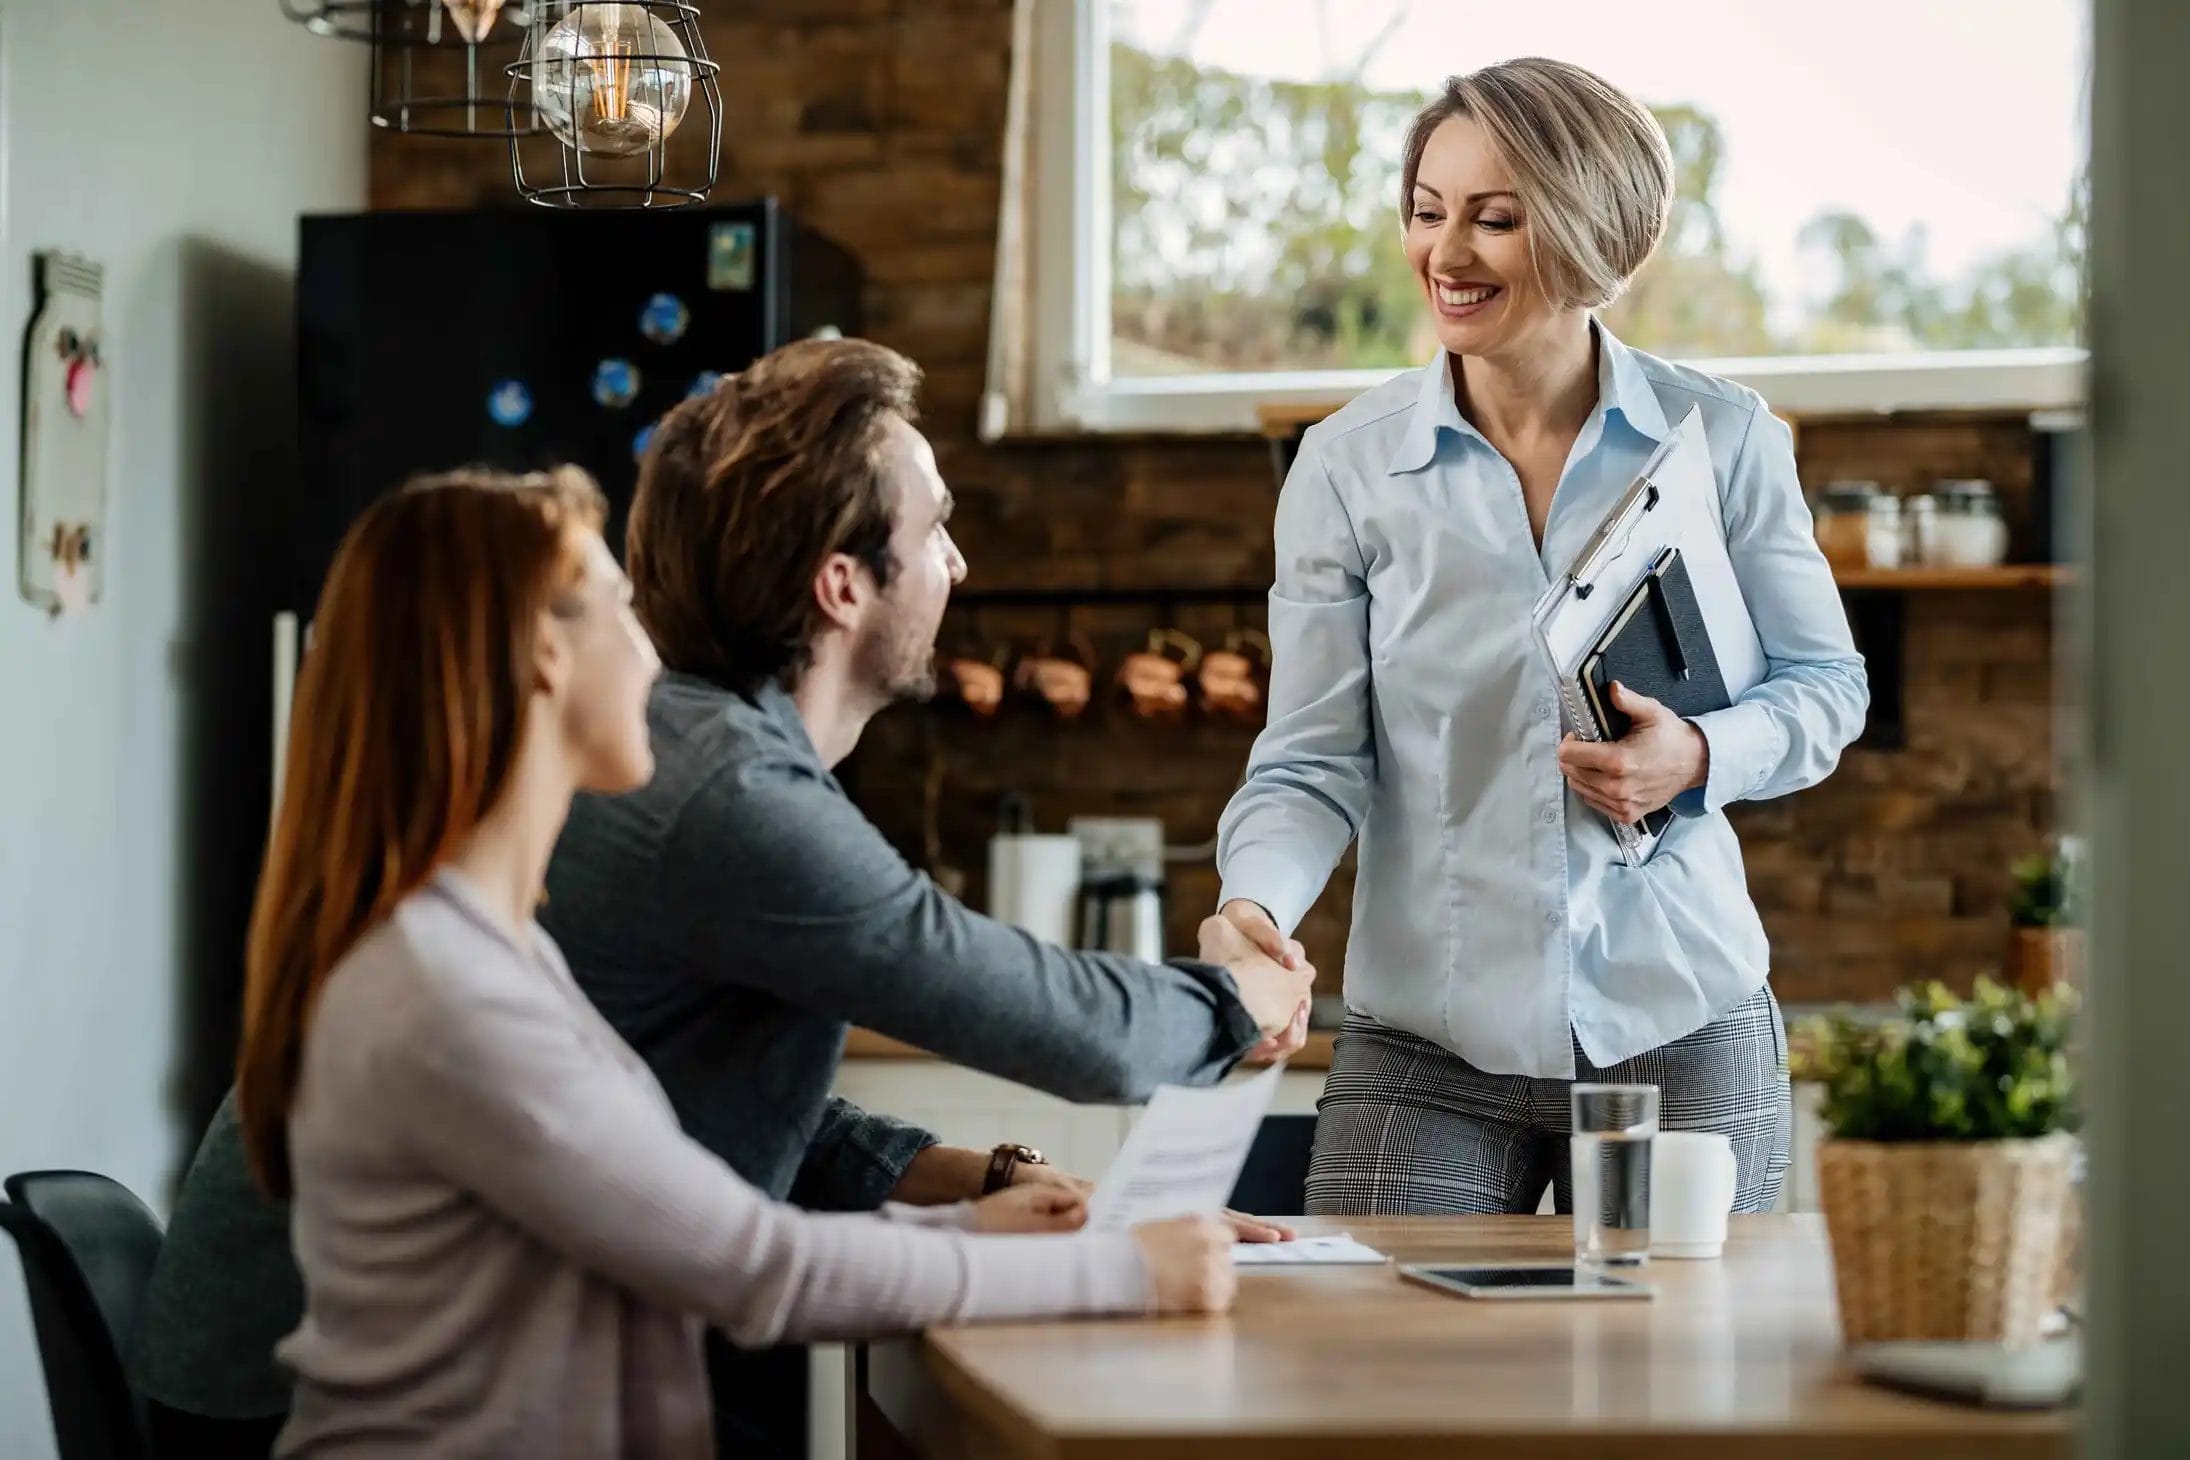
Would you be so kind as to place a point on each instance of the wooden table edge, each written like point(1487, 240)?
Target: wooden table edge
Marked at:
point(931, 1387)
point(956, 1419)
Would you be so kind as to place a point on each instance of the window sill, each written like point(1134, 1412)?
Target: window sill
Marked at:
point(1277, 402)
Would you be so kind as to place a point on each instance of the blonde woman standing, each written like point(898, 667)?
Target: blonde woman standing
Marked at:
point(1500, 949)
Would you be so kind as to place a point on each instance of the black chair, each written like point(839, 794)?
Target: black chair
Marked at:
point(1274, 1182)
point(88, 1247)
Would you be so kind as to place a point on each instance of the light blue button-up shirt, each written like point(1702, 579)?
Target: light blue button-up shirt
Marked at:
point(1411, 706)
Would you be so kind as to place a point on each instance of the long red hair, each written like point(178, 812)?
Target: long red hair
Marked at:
point(408, 717)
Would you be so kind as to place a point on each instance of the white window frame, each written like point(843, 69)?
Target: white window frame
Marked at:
point(1070, 315)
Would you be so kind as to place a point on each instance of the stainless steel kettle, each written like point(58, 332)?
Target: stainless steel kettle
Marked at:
point(1123, 913)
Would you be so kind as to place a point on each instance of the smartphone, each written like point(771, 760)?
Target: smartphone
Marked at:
point(1523, 1282)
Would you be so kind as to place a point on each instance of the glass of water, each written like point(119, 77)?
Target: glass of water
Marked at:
point(1612, 1132)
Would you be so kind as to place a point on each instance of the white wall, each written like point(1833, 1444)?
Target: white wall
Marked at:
point(175, 141)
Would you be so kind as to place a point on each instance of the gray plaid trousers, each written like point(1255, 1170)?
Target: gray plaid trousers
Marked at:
point(1405, 1126)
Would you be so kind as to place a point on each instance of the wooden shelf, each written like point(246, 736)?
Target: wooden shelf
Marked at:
point(2022, 576)
point(1158, 594)
point(2025, 576)
point(1278, 420)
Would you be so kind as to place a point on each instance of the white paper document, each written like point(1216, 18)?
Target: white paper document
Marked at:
point(1338, 1248)
point(1183, 1157)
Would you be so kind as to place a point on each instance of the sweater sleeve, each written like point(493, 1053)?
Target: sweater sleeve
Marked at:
point(779, 883)
point(504, 1097)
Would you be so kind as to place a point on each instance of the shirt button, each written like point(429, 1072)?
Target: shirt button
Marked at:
point(1552, 920)
point(1550, 815)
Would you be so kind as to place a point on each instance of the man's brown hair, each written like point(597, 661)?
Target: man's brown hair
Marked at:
point(746, 491)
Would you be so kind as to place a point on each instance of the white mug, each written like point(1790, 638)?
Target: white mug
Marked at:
point(1691, 1191)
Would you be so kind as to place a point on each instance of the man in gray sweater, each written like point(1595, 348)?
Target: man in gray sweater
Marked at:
point(790, 559)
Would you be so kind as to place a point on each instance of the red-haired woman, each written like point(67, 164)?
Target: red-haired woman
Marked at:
point(508, 1245)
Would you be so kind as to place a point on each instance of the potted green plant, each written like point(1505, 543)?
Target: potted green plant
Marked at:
point(2045, 916)
point(1947, 1176)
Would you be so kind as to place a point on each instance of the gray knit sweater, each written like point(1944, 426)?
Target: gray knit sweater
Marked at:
point(509, 1245)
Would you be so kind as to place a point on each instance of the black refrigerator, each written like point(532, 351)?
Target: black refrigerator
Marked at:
point(521, 338)
point(517, 338)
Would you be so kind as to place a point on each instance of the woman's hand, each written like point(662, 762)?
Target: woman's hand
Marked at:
point(1036, 1206)
point(1661, 756)
point(1274, 994)
point(1189, 1262)
point(1255, 921)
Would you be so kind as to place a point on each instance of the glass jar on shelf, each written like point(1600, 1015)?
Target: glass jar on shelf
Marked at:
point(1882, 542)
point(1970, 531)
point(1920, 530)
point(1844, 522)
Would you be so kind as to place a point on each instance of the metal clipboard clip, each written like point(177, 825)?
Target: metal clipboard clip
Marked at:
point(1615, 534)
point(1566, 621)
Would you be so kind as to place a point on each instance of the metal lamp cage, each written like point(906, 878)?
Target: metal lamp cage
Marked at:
point(640, 180)
point(416, 49)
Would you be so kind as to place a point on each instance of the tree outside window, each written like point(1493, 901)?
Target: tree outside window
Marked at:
point(1255, 222)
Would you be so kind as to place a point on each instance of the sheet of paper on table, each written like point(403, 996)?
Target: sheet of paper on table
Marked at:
point(1339, 1248)
point(1184, 1155)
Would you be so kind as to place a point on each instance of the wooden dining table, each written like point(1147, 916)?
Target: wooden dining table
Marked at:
point(1737, 1356)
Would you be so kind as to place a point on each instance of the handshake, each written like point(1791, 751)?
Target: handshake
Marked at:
point(1272, 972)
point(1187, 1260)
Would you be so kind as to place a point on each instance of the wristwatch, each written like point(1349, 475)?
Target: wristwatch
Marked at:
point(1004, 1160)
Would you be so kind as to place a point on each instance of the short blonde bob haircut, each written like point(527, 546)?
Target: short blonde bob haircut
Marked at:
point(1590, 166)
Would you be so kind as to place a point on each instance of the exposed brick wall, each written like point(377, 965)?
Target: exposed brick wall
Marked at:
point(879, 122)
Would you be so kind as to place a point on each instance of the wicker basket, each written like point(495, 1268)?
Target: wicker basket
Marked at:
point(1947, 1240)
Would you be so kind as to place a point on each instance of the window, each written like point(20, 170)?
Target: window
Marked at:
point(1879, 206)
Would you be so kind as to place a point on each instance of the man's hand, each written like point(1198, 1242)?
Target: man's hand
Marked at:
point(1286, 1041)
point(941, 1175)
point(1244, 1227)
point(1275, 996)
point(1028, 1174)
point(1661, 756)
point(1257, 1229)
point(1254, 920)
point(1031, 1206)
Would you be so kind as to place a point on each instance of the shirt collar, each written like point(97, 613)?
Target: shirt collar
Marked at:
point(1435, 409)
point(777, 706)
point(1621, 386)
point(769, 702)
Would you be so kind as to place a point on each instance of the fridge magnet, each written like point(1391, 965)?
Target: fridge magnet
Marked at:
point(615, 383)
point(66, 399)
point(642, 440)
point(663, 319)
point(703, 383)
point(509, 404)
point(730, 256)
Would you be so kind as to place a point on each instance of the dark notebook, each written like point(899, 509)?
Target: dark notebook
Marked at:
point(1657, 646)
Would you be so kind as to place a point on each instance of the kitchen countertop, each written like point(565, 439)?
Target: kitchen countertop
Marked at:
point(864, 1044)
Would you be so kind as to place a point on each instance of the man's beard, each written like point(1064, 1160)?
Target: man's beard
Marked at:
point(897, 664)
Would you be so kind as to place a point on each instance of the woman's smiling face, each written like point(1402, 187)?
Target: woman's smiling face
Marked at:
point(1467, 242)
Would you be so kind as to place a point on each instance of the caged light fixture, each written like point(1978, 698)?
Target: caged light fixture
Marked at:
point(612, 81)
point(433, 62)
